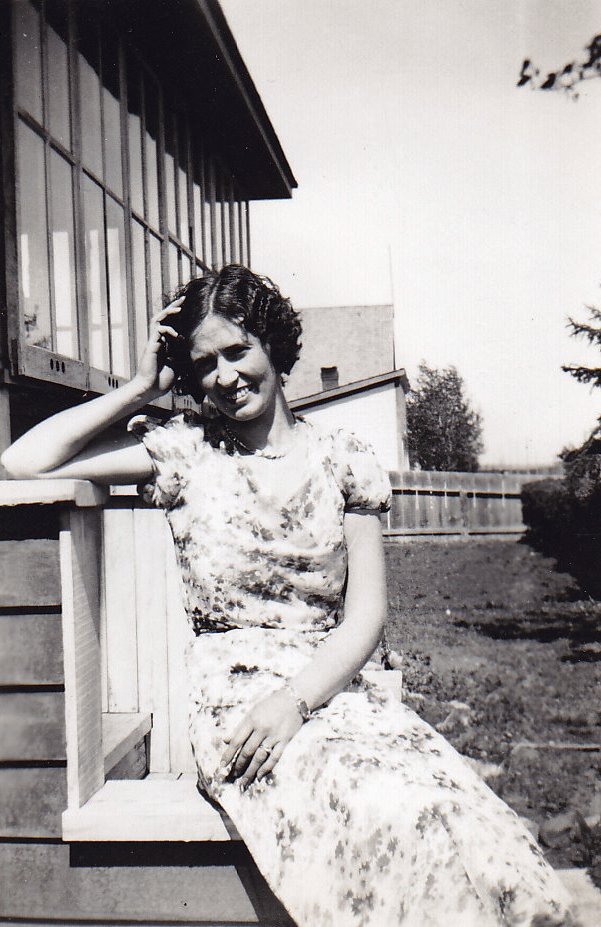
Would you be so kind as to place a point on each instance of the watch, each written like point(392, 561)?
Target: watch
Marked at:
point(301, 706)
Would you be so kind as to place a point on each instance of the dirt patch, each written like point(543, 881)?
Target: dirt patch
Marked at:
point(493, 625)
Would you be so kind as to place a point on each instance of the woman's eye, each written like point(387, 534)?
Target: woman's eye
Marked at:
point(204, 366)
point(236, 353)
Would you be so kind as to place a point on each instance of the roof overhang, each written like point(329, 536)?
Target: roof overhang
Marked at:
point(190, 46)
point(396, 377)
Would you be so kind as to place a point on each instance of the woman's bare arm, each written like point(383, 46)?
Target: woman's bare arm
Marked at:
point(72, 443)
point(348, 648)
point(274, 721)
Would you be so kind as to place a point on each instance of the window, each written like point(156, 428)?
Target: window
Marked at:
point(118, 201)
point(329, 377)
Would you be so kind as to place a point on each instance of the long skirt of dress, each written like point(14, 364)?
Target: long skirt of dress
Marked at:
point(370, 817)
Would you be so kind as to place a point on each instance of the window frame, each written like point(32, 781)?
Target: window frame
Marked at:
point(200, 164)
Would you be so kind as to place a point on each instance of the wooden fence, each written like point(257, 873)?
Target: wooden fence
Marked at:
point(427, 502)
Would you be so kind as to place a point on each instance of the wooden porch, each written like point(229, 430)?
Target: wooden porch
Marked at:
point(100, 819)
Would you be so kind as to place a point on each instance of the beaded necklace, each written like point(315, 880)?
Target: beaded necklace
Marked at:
point(255, 451)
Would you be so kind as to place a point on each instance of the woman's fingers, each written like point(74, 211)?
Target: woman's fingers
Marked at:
point(167, 330)
point(271, 762)
point(246, 754)
point(264, 761)
point(172, 308)
point(235, 742)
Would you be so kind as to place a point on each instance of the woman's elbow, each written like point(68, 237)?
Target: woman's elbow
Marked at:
point(18, 467)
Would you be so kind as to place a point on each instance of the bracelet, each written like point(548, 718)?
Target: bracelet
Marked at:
point(301, 706)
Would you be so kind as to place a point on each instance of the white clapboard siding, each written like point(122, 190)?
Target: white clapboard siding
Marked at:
point(152, 542)
point(120, 610)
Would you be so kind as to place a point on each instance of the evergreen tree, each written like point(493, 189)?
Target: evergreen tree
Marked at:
point(592, 332)
point(567, 77)
point(443, 432)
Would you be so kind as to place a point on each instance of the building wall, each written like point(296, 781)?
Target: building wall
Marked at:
point(376, 415)
point(358, 340)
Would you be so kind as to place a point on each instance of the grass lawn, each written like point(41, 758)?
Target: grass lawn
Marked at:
point(490, 623)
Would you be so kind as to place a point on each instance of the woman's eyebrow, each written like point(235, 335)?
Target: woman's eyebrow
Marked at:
point(236, 346)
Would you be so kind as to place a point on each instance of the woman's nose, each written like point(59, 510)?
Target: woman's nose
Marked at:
point(226, 373)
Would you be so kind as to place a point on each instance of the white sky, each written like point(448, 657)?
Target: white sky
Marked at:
point(405, 130)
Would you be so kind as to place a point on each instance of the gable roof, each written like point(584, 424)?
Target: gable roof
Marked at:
point(349, 389)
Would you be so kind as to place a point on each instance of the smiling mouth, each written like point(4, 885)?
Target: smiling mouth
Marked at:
point(237, 395)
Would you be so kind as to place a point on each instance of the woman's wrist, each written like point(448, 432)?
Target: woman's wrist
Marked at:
point(141, 392)
point(299, 702)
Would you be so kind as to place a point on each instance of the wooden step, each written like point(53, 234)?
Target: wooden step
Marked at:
point(147, 884)
point(156, 808)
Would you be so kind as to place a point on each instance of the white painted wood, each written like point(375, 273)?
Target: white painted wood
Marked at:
point(128, 490)
point(120, 734)
point(120, 610)
point(104, 670)
point(178, 635)
point(147, 809)
point(152, 539)
point(46, 492)
point(80, 553)
point(587, 897)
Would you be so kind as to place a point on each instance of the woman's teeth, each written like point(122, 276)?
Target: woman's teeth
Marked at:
point(238, 394)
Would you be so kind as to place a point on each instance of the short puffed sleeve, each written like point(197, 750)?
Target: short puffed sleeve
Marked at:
point(362, 480)
point(173, 448)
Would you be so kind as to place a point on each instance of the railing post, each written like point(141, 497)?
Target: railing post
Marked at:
point(80, 560)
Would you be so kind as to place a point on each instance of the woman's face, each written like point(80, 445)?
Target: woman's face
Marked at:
point(233, 368)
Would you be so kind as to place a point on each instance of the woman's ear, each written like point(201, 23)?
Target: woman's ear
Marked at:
point(269, 352)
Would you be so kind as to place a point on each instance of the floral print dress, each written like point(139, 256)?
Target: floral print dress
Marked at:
point(370, 819)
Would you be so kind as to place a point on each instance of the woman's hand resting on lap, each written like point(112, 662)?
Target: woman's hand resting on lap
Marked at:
point(258, 742)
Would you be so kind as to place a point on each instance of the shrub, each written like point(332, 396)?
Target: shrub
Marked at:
point(563, 518)
point(548, 510)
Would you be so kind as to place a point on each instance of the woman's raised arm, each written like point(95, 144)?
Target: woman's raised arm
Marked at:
point(72, 443)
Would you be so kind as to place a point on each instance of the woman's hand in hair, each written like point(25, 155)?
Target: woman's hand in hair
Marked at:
point(154, 373)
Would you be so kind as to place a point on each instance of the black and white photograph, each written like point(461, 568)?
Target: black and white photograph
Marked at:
point(300, 463)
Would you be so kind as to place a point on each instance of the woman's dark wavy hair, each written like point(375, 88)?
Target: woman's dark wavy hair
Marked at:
point(242, 297)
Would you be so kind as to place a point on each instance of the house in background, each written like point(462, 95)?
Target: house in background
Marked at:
point(346, 377)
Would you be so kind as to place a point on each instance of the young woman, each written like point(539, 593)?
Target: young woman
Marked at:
point(355, 810)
